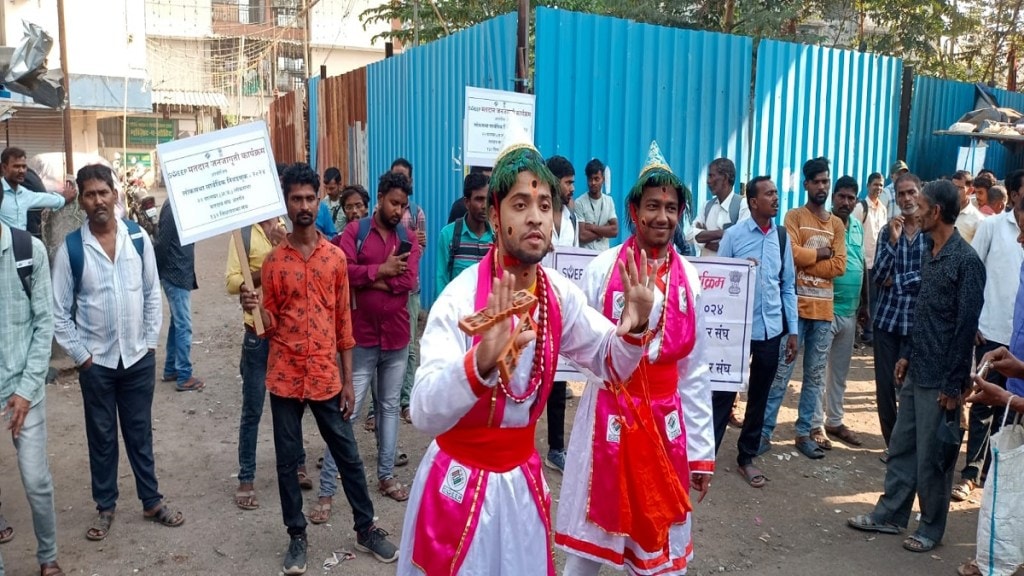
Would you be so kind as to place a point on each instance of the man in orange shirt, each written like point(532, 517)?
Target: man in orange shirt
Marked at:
point(305, 309)
point(819, 255)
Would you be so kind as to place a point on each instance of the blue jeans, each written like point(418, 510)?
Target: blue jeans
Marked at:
point(123, 394)
point(179, 333)
point(815, 340)
point(35, 477)
point(389, 366)
point(414, 348)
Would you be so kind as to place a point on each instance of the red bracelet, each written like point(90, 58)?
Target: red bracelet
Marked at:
point(475, 384)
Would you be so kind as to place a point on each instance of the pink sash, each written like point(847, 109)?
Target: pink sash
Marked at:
point(452, 498)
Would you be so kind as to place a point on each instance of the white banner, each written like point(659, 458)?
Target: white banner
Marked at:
point(221, 181)
point(489, 117)
point(727, 286)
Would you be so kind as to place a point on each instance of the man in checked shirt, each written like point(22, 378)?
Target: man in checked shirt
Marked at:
point(897, 274)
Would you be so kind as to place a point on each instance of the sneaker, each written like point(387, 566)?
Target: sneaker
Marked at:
point(295, 557)
point(556, 460)
point(375, 542)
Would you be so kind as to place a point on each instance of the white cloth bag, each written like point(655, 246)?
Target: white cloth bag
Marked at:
point(1001, 518)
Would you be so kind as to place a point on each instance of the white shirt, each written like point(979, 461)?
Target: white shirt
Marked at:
point(997, 246)
point(873, 221)
point(18, 201)
point(597, 212)
point(967, 221)
point(119, 303)
point(570, 239)
point(717, 219)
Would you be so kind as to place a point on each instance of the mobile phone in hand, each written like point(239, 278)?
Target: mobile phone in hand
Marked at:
point(404, 248)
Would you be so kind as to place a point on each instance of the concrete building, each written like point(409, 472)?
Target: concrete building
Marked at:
point(145, 72)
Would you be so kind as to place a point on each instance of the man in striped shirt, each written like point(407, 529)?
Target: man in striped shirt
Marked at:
point(465, 241)
point(897, 275)
point(112, 338)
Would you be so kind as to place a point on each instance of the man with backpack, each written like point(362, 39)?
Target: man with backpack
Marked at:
point(766, 244)
point(467, 240)
point(27, 320)
point(107, 270)
point(725, 208)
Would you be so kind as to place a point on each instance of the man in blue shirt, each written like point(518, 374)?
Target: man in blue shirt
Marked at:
point(19, 199)
point(759, 240)
point(474, 238)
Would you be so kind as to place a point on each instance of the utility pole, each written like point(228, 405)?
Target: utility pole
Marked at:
point(305, 36)
point(62, 37)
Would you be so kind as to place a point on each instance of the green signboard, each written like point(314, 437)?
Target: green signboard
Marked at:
point(137, 159)
point(148, 132)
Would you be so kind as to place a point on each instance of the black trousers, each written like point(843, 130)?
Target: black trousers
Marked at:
point(341, 441)
point(556, 417)
point(887, 353)
point(764, 362)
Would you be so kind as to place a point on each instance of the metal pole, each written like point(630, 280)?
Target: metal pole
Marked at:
point(305, 37)
point(69, 165)
point(906, 98)
point(522, 38)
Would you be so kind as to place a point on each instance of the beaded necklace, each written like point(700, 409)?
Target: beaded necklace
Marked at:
point(540, 348)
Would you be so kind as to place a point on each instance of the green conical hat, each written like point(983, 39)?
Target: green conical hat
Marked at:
point(657, 172)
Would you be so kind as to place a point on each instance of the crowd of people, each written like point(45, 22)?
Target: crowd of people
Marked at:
point(331, 321)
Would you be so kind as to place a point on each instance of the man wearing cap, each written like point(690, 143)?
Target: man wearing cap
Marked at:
point(480, 480)
point(888, 196)
point(611, 512)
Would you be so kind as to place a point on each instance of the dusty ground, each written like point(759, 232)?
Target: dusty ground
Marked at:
point(795, 525)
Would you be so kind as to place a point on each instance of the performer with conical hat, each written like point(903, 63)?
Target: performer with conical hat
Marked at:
point(640, 442)
point(479, 503)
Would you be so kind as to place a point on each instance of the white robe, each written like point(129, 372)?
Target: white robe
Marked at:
point(695, 393)
point(510, 539)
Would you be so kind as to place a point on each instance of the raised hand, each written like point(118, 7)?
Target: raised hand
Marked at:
point(493, 341)
point(638, 294)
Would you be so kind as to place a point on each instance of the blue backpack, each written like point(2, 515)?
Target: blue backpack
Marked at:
point(76, 249)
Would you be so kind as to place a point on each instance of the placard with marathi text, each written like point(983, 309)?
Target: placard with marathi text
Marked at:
point(221, 181)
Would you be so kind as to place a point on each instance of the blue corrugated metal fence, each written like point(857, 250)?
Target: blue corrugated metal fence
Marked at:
point(811, 101)
point(606, 87)
point(936, 104)
point(416, 105)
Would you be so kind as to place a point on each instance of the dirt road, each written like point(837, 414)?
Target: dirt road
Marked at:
point(795, 525)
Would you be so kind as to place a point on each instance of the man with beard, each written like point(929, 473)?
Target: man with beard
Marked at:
point(848, 289)
point(723, 211)
point(897, 275)
point(819, 255)
point(624, 501)
point(310, 364)
point(481, 477)
point(334, 202)
point(775, 318)
point(934, 372)
point(465, 241)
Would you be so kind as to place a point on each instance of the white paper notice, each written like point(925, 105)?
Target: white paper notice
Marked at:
point(488, 116)
point(221, 181)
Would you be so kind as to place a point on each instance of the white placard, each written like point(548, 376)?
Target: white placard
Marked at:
point(221, 181)
point(727, 301)
point(489, 116)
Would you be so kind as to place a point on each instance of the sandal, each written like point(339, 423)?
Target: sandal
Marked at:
point(401, 460)
point(6, 530)
point(819, 438)
point(305, 482)
point(165, 516)
point(918, 543)
point(969, 569)
point(752, 475)
point(407, 415)
point(962, 490)
point(50, 569)
point(100, 527)
point(321, 513)
point(844, 435)
point(246, 500)
point(169, 377)
point(393, 489)
point(809, 448)
point(191, 385)
point(370, 425)
point(866, 523)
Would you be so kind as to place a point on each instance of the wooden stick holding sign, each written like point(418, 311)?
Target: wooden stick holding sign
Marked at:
point(243, 261)
point(221, 182)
